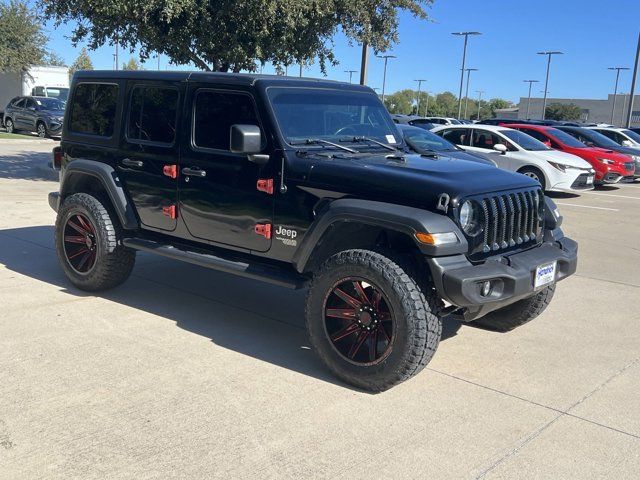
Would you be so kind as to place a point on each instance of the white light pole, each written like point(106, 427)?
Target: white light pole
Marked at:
point(350, 72)
point(418, 102)
point(632, 92)
point(479, 92)
point(426, 110)
point(546, 83)
point(464, 59)
point(466, 95)
point(615, 91)
point(384, 77)
point(530, 82)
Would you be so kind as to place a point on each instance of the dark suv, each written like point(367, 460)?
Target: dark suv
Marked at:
point(302, 183)
point(42, 115)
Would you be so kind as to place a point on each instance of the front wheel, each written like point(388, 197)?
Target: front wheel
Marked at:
point(41, 130)
point(518, 313)
point(89, 244)
point(535, 174)
point(369, 321)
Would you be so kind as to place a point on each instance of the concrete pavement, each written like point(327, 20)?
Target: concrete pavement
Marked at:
point(188, 373)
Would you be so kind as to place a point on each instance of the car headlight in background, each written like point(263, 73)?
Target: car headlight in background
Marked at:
point(606, 161)
point(559, 166)
point(469, 218)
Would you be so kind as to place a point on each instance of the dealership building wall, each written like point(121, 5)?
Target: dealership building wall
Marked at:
point(597, 111)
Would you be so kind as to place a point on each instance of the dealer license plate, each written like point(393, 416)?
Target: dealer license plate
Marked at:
point(545, 274)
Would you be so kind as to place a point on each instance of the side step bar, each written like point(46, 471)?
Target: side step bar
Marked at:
point(256, 271)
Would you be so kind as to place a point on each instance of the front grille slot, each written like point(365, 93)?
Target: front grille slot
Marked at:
point(510, 219)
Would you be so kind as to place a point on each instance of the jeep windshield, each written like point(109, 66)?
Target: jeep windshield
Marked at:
point(316, 116)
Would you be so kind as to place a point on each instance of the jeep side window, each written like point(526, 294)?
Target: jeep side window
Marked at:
point(457, 136)
point(214, 114)
point(93, 109)
point(152, 115)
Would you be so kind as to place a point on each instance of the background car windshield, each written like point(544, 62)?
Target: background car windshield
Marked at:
point(632, 135)
point(524, 141)
point(567, 139)
point(331, 115)
point(49, 104)
point(425, 140)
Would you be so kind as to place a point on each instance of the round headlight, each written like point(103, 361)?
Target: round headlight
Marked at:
point(469, 218)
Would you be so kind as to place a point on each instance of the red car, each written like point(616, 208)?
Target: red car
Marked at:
point(610, 166)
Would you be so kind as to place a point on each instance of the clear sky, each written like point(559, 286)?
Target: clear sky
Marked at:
point(593, 34)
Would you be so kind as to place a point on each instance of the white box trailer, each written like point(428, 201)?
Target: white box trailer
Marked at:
point(38, 81)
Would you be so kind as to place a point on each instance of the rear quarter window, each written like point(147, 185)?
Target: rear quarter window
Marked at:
point(152, 115)
point(93, 109)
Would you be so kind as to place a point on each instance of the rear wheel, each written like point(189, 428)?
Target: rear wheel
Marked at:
point(89, 244)
point(8, 124)
point(518, 313)
point(369, 321)
point(534, 173)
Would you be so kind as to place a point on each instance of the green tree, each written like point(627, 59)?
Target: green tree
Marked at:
point(132, 64)
point(54, 60)
point(230, 35)
point(83, 62)
point(22, 42)
point(559, 111)
point(400, 102)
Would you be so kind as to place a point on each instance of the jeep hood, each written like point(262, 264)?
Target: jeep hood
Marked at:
point(414, 180)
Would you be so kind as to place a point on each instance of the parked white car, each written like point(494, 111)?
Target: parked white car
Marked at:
point(519, 152)
point(443, 120)
point(622, 136)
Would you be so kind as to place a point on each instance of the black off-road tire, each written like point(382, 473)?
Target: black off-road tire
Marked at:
point(113, 261)
point(518, 313)
point(417, 328)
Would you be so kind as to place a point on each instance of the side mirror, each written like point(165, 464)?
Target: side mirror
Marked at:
point(245, 139)
point(627, 143)
point(500, 147)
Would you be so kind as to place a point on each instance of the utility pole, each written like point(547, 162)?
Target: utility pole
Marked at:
point(116, 56)
point(364, 63)
point(158, 57)
point(479, 92)
point(384, 77)
point(466, 95)
point(546, 83)
point(464, 59)
point(418, 101)
point(350, 72)
point(530, 82)
point(300, 69)
point(632, 92)
point(615, 90)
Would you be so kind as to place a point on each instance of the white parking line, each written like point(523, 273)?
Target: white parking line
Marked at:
point(611, 195)
point(588, 206)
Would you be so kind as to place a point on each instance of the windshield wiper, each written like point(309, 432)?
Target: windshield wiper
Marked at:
point(312, 141)
point(367, 139)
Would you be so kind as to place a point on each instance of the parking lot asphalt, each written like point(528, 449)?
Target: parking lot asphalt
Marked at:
point(187, 373)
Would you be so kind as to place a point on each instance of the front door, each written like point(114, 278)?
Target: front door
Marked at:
point(219, 198)
point(149, 152)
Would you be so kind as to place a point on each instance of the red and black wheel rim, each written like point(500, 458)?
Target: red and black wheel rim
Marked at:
point(358, 321)
point(80, 246)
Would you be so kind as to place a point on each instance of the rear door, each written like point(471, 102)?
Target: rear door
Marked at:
point(149, 151)
point(483, 141)
point(30, 114)
point(219, 198)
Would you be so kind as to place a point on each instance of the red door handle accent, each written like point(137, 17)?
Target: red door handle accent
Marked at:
point(169, 211)
point(170, 171)
point(265, 185)
point(263, 229)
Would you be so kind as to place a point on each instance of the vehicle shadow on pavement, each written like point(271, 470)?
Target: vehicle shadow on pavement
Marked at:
point(28, 165)
point(249, 317)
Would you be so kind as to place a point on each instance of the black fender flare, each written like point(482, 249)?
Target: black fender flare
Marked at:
point(400, 218)
point(108, 177)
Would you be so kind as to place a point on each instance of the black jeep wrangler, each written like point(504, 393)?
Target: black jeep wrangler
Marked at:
point(302, 183)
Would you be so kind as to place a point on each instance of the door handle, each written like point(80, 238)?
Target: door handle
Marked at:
point(132, 163)
point(193, 172)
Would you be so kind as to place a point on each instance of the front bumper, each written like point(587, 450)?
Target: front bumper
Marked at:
point(512, 276)
point(54, 200)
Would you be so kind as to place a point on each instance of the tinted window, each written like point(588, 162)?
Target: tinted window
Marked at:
point(94, 109)
point(632, 135)
point(152, 114)
point(527, 139)
point(214, 114)
point(423, 140)
point(592, 138)
point(485, 139)
point(457, 136)
point(615, 136)
point(30, 103)
point(18, 103)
